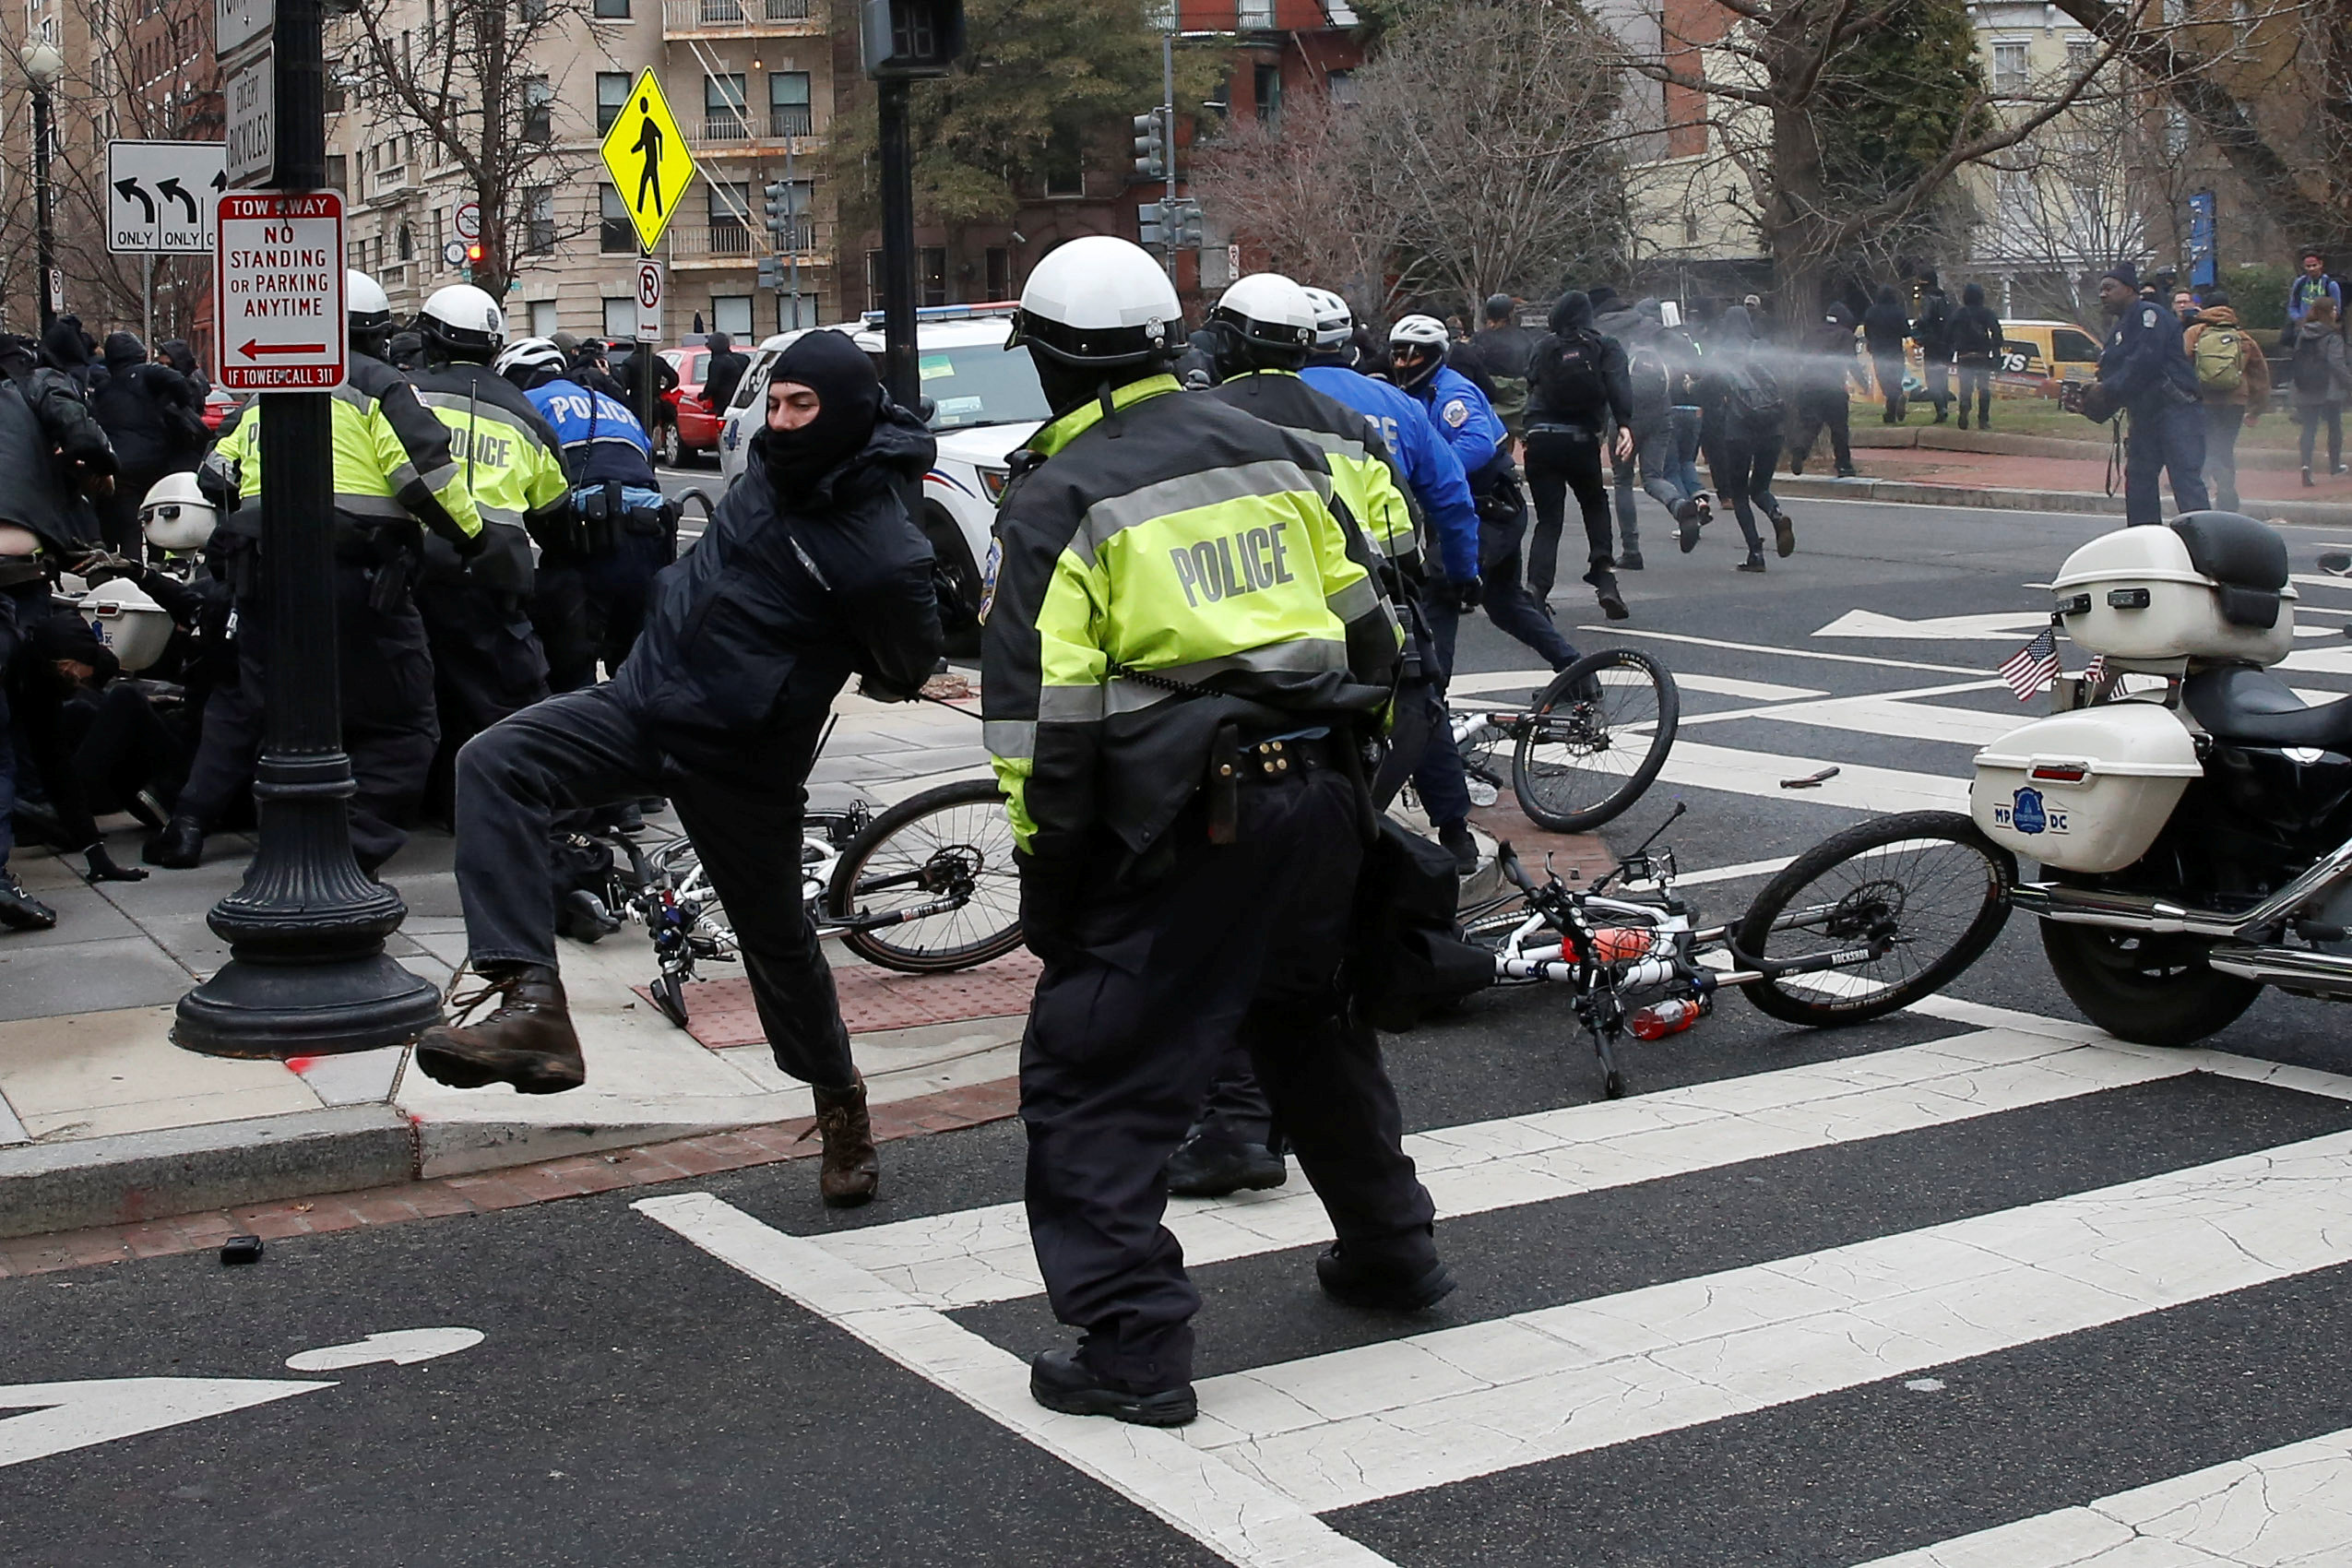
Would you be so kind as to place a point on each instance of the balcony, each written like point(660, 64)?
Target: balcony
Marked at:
point(784, 127)
point(696, 242)
point(742, 18)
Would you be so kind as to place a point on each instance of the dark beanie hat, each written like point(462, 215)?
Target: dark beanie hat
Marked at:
point(2124, 273)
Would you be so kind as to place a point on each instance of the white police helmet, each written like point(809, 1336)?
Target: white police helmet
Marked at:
point(1099, 301)
point(525, 360)
point(175, 515)
point(367, 308)
point(464, 322)
point(1419, 332)
point(1268, 310)
point(1335, 322)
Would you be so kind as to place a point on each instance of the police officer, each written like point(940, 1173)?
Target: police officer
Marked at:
point(1183, 647)
point(2146, 371)
point(1417, 362)
point(393, 471)
point(592, 595)
point(810, 570)
point(488, 660)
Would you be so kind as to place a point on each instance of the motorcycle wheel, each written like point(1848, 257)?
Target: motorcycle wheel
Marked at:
point(2149, 989)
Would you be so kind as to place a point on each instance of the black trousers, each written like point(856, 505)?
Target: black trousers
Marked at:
point(1559, 461)
point(1828, 407)
point(1741, 463)
point(1889, 371)
point(386, 676)
point(121, 744)
point(587, 749)
point(1976, 380)
point(488, 664)
point(1240, 942)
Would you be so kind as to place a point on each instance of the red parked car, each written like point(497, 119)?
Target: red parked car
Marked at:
point(217, 406)
point(691, 426)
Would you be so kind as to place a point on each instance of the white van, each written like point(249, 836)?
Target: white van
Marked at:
point(988, 402)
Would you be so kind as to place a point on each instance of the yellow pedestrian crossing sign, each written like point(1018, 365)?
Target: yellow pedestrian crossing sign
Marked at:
point(649, 159)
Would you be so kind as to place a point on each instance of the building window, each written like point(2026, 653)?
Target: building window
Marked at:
point(615, 233)
point(1267, 89)
point(1065, 163)
point(1000, 273)
point(731, 313)
point(788, 104)
point(538, 221)
point(621, 317)
point(722, 107)
point(539, 113)
point(545, 318)
point(613, 11)
point(338, 173)
point(1250, 14)
point(873, 280)
point(931, 275)
point(2011, 68)
point(794, 312)
point(408, 244)
point(1342, 87)
point(611, 94)
point(730, 202)
point(2078, 54)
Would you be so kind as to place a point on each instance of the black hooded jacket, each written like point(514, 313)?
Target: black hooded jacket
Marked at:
point(751, 635)
point(1975, 330)
point(63, 350)
point(1884, 326)
point(149, 412)
point(1578, 378)
point(722, 374)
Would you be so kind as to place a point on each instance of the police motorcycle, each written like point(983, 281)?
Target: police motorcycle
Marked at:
point(2191, 813)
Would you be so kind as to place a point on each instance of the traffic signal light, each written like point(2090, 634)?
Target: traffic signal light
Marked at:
point(1188, 226)
point(1150, 223)
point(780, 203)
point(771, 273)
point(473, 258)
point(911, 38)
point(1152, 148)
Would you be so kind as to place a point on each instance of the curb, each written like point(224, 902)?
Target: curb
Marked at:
point(2317, 514)
point(129, 1177)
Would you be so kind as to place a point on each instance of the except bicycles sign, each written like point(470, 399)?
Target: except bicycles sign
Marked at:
point(278, 281)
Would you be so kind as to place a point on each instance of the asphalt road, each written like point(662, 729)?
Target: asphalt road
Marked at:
point(1803, 1298)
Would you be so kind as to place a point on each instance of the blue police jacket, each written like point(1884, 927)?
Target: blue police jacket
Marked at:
point(601, 440)
point(1464, 418)
point(1427, 463)
point(2145, 362)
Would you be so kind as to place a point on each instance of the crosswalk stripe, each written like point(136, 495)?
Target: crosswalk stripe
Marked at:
point(1893, 717)
point(1407, 1415)
point(975, 1256)
point(1239, 1518)
point(1822, 654)
point(1856, 786)
point(2288, 1506)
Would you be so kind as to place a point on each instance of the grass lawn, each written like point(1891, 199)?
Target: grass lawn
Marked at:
point(2042, 416)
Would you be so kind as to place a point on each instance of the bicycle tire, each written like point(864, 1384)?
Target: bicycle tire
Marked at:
point(970, 824)
point(1539, 781)
point(1982, 873)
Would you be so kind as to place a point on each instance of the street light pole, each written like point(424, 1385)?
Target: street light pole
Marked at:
point(43, 65)
point(307, 973)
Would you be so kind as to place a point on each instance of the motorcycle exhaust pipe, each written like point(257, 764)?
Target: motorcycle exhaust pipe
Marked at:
point(2121, 911)
point(2291, 968)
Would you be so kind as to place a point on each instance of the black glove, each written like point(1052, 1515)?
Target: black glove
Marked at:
point(1462, 595)
point(2099, 404)
point(880, 690)
point(1050, 905)
point(103, 869)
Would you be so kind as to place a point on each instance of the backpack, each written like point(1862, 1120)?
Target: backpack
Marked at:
point(1652, 383)
point(1752, 394)
point(2310, 364)
point(1974, 335)
point(1567, 372)
point(2220, 359)
point(1407, 957)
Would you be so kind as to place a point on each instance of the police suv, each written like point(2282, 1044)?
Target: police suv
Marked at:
point(987, 401)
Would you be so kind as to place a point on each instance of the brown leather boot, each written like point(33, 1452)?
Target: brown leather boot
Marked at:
point(526, 1041)
point(851, 1169)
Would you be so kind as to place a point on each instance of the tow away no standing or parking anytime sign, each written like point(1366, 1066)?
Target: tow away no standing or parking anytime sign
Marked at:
point(278, 284)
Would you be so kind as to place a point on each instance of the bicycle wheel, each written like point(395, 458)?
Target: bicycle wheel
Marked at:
point(1602, 730)
point(951, 844)
point(1929, 879)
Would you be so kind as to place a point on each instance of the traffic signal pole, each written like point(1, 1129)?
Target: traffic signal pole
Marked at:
point(1168, 135)
point(897, 246)
point(307, 973)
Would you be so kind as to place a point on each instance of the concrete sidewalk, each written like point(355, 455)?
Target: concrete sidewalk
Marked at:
point(104, 1121)
point(1936, 466)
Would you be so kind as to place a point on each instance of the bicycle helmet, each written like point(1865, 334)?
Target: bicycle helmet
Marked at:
point(367, 311)
point(1417, 346)
point(1335, 322)
point(527, 361)
point(1098, 302)
point(1269, 312)
point(175, 515)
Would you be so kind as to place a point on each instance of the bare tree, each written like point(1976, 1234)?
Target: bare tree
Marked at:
point(467, 78)
point(1480, 156)
point(1836, 138)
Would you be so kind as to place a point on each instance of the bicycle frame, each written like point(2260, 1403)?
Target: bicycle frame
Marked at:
point(1559, 940)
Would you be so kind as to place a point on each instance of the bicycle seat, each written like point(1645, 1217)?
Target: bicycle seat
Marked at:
point(2256, 708)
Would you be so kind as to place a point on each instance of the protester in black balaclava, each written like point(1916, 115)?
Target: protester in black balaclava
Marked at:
point(810, 572)
point(804, 438)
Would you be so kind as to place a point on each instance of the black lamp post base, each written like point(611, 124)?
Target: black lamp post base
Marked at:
point(277, 1010)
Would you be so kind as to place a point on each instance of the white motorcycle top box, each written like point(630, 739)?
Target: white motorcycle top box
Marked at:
point(2087, 790)
point(2138, 596)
